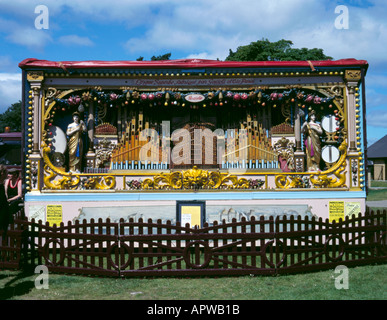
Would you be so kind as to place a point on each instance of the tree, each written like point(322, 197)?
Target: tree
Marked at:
point(11, 118)
point(165, 56)
point(264, 50)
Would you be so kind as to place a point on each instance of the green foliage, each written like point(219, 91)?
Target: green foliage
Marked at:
point(165, 56)
point(11, 118)
point(264, 50)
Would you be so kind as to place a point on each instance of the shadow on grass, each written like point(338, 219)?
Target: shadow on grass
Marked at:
point(16, 286)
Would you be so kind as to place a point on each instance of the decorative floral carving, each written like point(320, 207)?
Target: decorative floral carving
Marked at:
point(354, 169)
point(195, 179)
point(352, 75)
point(285, 150)
point(134, 184)
point(103, 152)
point(256, 183)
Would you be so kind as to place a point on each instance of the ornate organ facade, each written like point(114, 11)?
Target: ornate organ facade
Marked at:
point(249, 134)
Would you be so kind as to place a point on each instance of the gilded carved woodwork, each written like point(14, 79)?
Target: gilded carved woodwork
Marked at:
point(63, 183)
point(195, 179)
point(285, 150)
point(35, 76)
point(352, 75)
point(100, 183)
point(57, 179)
point(103, 152)
point(320, 179)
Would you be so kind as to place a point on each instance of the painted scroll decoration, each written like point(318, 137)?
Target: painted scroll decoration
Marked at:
point(56, 178)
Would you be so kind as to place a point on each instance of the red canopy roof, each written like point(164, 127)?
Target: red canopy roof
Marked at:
point(189, 63)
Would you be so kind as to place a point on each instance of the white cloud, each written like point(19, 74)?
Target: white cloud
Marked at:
point(365, 38)
point(201, 55)
point(75, 40)
point(377, 119)
point(10, 89)
point(30, 37)
point(211, 28)
point(131, 11)
point(7, 64)
point(25, 35)
point(10, 77)
point(214, 27)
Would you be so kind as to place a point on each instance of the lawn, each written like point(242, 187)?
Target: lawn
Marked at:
point(365, 283)
point(378, 184)
point(377, 194)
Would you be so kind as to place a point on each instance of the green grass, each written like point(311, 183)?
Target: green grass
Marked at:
point(365, 282)
point(378, 184)
point(377, 195)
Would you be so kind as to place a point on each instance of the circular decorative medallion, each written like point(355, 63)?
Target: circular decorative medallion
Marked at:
point(330, 154)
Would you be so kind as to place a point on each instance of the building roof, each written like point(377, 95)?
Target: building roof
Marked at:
point(8, 136)
point(378, 149)
point(32, 63)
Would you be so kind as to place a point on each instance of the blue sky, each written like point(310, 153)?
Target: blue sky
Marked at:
point(126, 30)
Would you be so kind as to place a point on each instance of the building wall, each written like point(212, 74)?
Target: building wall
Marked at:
point(380, 169)
point(218, 206)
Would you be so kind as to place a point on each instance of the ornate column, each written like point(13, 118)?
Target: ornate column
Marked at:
point(352, 78)
point(90, 155)
point(299, 155)
point(34, 166)
point(35, 79)
point(297, 127)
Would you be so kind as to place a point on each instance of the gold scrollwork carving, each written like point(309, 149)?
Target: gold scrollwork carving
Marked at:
point(163, 181)
point(65, 183)
point(289, 182)
point(100, 183)
point(352, 75)
point(58, 179)
point(195, 179)
point(35, 76)
point(323, 181)
point(318, 179)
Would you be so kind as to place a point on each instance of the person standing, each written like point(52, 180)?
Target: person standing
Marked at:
point(13, 190)
point(4, 207)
